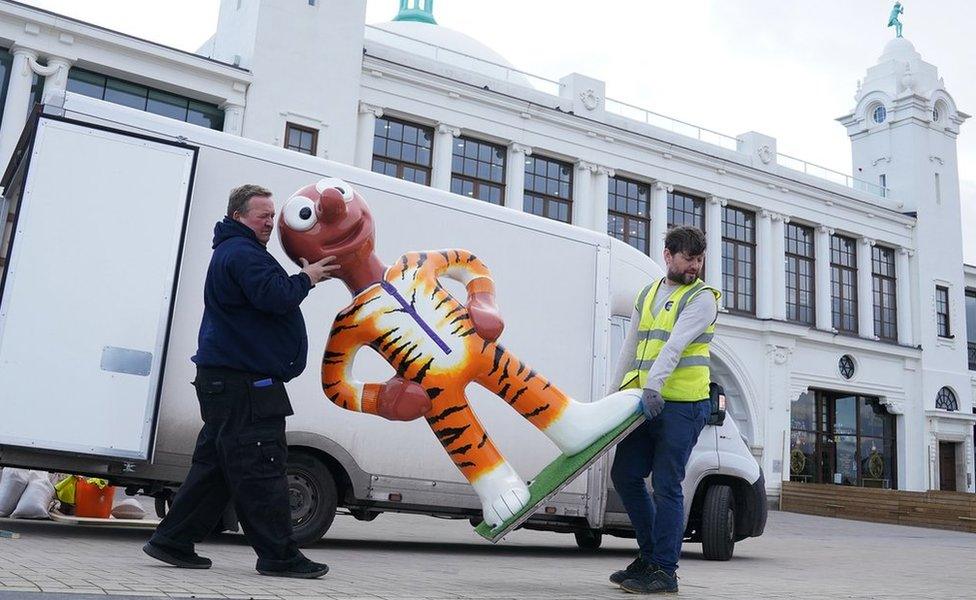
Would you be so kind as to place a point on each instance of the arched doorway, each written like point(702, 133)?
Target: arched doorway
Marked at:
point(738, 406)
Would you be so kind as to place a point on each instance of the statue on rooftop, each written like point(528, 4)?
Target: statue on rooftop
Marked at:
point(893, 18)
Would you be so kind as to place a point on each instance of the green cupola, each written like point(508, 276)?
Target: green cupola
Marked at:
point(421, 11)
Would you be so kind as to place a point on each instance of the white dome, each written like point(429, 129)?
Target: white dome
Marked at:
point(447, 46)
point(899, 49)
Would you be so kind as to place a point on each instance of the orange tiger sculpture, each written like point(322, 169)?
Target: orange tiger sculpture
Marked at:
point(436, 343)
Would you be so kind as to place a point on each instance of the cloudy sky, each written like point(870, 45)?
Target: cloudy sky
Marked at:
point(786, 68)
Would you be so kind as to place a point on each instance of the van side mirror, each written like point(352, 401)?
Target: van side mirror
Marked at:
point(716, 394)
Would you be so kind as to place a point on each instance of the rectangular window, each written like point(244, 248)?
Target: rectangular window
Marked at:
point(938, 189)
point(971, 327)
point(685, 210)
point(548, 188)
point(6, 62)
point(145, 98)
point(842, 439)
point(942, 311)
point(885, 310)
point(883, 184)
point(629, 212)
point(301, 139)
point(478, 170)
point(843, 283)
point(403, 150)
point(800, 274)
point(739, 259)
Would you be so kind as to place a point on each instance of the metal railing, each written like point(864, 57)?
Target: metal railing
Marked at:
point(509, 74)
point(839, 177)
point(650, 117)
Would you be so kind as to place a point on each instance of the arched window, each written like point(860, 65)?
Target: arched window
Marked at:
point(946, 400)
point(879, 114)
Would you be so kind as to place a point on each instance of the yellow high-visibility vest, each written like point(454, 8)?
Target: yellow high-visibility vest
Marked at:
point(690, 378)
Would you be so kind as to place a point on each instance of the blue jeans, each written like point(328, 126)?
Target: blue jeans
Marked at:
point(659, 448)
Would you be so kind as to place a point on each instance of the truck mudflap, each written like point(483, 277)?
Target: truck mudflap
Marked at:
point(753, 508)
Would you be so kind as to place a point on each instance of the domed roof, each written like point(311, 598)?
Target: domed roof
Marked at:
point(899, 49)
point(460, 48)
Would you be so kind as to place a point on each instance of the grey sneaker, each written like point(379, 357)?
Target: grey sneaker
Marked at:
point(632, 570)
point(652, 580)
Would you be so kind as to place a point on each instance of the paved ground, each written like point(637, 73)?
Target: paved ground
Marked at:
point(403, 556)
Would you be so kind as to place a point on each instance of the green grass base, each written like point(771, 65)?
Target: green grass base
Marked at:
point(556, 475)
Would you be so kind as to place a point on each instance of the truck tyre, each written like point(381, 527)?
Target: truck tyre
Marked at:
point(718, 523)
point(312, 497)
point(588, 539)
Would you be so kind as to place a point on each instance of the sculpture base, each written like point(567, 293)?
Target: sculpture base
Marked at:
point(557, 474)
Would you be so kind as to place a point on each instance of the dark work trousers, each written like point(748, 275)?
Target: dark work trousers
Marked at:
point(659, 448)
point(240, 457)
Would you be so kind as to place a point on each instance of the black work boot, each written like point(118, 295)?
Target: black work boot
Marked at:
point(652, 580)
point(306, 569)
point(632, 570)
point(183, 560)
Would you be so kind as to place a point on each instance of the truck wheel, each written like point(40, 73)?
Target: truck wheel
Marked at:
point(312, 497)
point(718, 523)
point(588, 539)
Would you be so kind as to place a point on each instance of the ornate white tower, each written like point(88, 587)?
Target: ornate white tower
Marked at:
point(306, 57)
point(903, 134)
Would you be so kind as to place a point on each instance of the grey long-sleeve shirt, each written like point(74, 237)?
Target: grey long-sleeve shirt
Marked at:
point(694, 319)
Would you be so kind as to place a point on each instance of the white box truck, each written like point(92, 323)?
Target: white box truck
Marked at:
point(110, 214)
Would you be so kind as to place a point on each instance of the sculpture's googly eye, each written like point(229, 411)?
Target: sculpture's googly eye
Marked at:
point(334, 182)
point(299, 213)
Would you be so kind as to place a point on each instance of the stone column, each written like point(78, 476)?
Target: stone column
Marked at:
point(442, 156)
point(764, 266)
point(659, 220)
point(16, 108)
point(515, 175)
point(903, 296)
point(233, 118)
point(365, 130)
point(713, 234)
point(865, 289)
point(583, 194)
point(779, 266)
point(824, 314)
point(601, 198)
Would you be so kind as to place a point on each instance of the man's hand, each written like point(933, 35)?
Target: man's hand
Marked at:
point(652, 403)
point(319, 271)
point(402, 400)
point(484, 316)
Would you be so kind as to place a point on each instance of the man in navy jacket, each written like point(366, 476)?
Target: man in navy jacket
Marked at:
point(252, 339)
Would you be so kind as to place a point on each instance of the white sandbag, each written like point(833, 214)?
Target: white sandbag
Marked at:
point(35, 502)
point(130, 508)
point(13, 482)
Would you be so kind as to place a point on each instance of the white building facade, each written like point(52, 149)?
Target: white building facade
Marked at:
point(843, 340)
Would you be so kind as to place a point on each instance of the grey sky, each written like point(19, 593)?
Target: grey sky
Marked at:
point(781, 67)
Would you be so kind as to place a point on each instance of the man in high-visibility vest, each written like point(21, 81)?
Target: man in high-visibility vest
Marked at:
point(666, 354)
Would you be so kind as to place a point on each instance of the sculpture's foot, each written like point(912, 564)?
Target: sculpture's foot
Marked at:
point(503, 493)
point(581, 424)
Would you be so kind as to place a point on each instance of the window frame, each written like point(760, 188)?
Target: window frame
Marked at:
point(400, 164)
point(479, 182)
point(548, 200)
point(796, 258)
point(837, 316)
point(731, 302)
point(943, 323)
point(971, 341)
point(290, 126)
point(878, 279)
point(643, 222)
point(697, 210)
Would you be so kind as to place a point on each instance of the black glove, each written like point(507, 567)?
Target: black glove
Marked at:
point(652, 403)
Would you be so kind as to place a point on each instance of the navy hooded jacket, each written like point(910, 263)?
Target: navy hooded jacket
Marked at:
point(251, 320)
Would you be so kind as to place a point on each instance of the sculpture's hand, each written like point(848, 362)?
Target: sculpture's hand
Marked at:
point(484, 315)
point(402, 400)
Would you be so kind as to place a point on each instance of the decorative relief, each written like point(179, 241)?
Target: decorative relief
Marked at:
point(765, 154)
point(590, 99)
